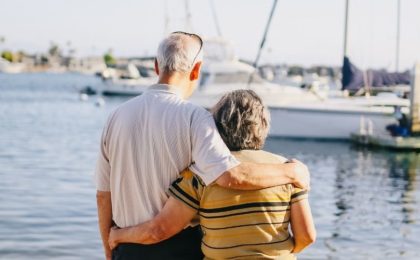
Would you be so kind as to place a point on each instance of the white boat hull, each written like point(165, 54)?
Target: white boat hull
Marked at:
point(323, 124)
point(294, 116)
point(127, 87)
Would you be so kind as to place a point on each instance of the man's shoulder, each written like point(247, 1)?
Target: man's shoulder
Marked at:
point(197, 110)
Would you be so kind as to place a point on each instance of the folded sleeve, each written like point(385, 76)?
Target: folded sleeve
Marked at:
point(210, 155)
point(298, 194)
point(188, 189)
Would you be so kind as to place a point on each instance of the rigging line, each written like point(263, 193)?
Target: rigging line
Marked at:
point(267, 27)
point(265, 33)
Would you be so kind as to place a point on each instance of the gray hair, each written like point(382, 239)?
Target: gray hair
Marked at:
point(242, 120)
point(176, 53)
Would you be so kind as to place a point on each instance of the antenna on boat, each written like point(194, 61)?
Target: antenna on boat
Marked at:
point(188, 24)
point(397, 51)
point(216, 20)
point(267, 27)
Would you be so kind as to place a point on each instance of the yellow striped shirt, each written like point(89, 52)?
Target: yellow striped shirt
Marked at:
point(241, 224)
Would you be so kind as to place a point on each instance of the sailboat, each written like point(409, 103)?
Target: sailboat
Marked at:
point(297, 113)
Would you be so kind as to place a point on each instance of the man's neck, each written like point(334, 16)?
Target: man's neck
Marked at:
point(176, 83)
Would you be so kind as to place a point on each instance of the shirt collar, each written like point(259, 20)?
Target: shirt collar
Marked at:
point(165, 88)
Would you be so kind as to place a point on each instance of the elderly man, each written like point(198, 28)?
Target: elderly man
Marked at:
point(150, 139)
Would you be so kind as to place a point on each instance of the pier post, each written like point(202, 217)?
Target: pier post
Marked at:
point(415, 100)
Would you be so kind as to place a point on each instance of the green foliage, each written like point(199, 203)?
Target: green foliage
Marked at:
point(109, 59)
point(7, 55)
point(54, 50)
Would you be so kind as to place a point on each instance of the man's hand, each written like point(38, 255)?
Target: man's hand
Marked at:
point(113, 238)
point(301, 177)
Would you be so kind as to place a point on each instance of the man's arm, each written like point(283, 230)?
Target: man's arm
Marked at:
point(103, 200)
point(174, 217)
point(251, 176)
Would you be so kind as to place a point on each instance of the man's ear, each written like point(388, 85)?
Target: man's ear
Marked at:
point(195, 72)
point(156, 67)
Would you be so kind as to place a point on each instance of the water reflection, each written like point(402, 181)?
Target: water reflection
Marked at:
point(365, 202)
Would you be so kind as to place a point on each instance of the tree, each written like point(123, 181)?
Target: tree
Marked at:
point(54, 50)
point(109, 59)
point(7, 55)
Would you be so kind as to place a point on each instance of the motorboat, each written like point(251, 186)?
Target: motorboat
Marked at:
point(130, 81)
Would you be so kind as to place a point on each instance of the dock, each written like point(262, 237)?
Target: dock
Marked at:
point(406, 135)
point(387, 141)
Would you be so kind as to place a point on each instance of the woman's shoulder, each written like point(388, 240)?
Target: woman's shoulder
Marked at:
point(258, 156)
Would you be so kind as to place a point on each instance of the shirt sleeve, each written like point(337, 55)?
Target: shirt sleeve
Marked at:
point(298, 194)
point(210, 155)
point(188, 189)
point(103, 167)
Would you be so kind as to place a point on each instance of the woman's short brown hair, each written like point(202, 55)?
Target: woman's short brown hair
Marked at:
point(242, 120)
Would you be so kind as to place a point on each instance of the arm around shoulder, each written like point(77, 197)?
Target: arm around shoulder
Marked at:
point(252, 176)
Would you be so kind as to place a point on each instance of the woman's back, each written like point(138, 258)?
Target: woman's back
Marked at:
point(242, 224)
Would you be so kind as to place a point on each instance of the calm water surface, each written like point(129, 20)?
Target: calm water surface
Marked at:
point(365, 202)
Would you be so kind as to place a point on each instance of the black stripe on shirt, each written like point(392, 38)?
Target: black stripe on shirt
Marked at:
point(247, 225)
point(183, 200)
point(243, 213)
point(186, 195)
point(246, 205)
point(256, 244)
point(299, 193)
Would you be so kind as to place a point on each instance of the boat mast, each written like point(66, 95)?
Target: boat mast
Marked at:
point(397, 51)
point(267, 27)
point(216, 20)
point(346, 19)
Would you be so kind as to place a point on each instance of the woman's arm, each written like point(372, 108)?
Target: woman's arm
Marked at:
point(174, 217)
point(303, 228)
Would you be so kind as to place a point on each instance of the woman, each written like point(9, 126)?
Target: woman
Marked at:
point(235, 224)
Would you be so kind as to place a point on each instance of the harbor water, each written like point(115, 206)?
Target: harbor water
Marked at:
point(366, 203)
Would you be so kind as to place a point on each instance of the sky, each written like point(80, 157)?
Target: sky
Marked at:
point(303, 32)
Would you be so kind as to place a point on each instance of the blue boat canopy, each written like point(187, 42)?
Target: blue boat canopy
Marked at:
point(354, 78)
